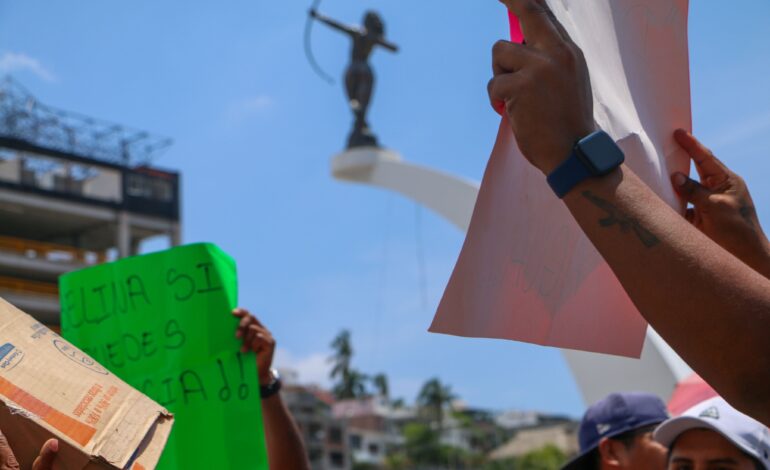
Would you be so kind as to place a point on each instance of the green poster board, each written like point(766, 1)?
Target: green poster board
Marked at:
point(162, 323)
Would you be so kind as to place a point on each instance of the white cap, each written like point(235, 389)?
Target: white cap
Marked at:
point(749, 435)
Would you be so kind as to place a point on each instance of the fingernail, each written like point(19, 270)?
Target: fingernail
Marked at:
point(679, 179)
point(54, 445)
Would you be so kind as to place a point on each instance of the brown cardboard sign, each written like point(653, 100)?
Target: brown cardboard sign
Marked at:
point(49, 388)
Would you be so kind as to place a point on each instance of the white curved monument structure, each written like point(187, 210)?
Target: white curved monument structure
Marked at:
point(658, 371)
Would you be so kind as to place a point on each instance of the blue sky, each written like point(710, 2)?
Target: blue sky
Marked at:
point(254, 130)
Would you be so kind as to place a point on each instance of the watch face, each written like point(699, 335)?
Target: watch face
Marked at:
point(601, 153)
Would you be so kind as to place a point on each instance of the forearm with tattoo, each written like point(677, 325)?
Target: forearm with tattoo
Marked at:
point(626, 222)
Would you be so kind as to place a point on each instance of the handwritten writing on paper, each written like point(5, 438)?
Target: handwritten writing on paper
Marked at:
point(162, 323)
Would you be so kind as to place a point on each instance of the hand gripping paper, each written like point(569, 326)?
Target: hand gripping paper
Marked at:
point(526, 271)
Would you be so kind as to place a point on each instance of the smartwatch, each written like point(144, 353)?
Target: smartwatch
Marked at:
point(267, 391)
point(593, 156)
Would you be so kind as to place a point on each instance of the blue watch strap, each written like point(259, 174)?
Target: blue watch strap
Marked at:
point(567, 175)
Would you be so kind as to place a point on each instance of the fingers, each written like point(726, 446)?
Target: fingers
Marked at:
point(246, 320)
point(502, 89)
point(261, 342)
point(252, 333)
point(509, 57)
point(712, 171)
point(249, 337)
point(538, 23)
point(242, 312)
point(7, 458)
point(690, 190)
point(47, 455)
point(259, 339)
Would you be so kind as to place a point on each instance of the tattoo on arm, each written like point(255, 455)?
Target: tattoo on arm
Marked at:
point(625, 222)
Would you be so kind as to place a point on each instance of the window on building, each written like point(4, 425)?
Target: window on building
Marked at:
point(315, 456)
point(316, 431)
point(355, 442)
point(337, 459)
point(149, 187)
point(374, 449)
point(335, 435)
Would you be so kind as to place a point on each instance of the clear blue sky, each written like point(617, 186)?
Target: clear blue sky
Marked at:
point(254, 130)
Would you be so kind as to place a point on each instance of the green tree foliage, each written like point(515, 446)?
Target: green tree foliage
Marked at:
point(423, 449)
point(433, 398)
point(547, 458)
point(398, 403)
point(422, 444)
point(380, 382)
point(397, 461)
point(343, 354)
point(349, 383)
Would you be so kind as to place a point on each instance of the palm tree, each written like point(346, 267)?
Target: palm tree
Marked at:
point(380, 382)
point(433, 398)
point(352, 384)
point(343, 353)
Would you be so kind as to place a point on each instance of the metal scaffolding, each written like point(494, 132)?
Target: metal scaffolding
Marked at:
point(24, 118)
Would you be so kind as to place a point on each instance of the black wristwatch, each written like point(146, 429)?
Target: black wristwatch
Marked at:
point(593, 156)
point(267, 391)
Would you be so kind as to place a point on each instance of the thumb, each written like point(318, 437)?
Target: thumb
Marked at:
point(47, 454)
point(690, 190)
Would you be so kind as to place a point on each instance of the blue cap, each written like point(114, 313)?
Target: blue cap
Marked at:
point(613, 416)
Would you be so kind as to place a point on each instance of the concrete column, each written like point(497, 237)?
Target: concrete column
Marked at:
point(175, 235)
point(135, 245)
point(124, 235)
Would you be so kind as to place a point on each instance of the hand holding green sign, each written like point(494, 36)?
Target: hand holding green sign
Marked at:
point(162, 322)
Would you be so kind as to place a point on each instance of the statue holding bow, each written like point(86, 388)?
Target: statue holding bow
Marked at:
point(359, 76)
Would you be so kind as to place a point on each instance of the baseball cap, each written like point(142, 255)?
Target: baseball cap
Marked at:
point(749, 435)
point(616, 414)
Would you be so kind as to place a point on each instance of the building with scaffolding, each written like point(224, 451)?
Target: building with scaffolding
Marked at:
point(74, 191)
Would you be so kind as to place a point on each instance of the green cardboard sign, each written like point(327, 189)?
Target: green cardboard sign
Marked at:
point(162, 323)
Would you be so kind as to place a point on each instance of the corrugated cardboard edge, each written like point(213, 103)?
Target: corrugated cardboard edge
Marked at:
point(149, 440)
point(149, 451)
point(29, 428)
point(153, 444)
point(104, 448)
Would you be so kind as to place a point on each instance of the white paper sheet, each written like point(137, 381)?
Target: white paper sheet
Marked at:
point(526, 271)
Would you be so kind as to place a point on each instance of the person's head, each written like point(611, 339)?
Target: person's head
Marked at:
point(616, 433)
point(373, 24)
point(715, 436)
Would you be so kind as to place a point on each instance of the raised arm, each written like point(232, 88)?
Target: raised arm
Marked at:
point(285, 448)
point(711, 307)
point(388, 45)
point(334, 23)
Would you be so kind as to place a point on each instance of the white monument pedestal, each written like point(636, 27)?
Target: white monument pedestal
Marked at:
point(450, 196)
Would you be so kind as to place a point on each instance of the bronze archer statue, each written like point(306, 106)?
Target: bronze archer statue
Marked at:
point(359, 76)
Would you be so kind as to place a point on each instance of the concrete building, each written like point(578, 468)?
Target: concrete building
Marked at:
point(74, 191)
point(374, 427)
point(326, 438)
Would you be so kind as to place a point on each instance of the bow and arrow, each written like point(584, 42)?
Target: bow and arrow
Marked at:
point(309, 46)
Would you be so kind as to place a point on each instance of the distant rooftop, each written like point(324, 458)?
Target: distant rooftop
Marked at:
point(24, 118)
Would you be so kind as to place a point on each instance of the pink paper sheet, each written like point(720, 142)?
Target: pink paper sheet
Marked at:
point(526, 271)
